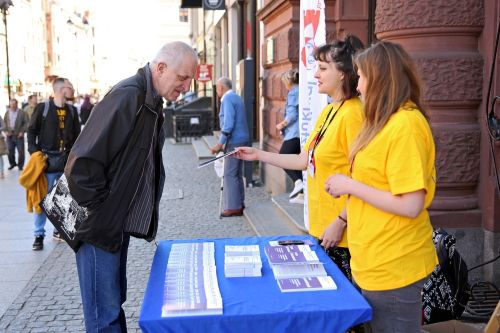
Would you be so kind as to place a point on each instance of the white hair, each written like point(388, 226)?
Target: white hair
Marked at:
point(171, 53)
point(226, 82)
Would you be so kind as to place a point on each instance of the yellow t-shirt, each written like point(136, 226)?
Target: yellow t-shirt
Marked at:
point(389, 251)
point(331, 156)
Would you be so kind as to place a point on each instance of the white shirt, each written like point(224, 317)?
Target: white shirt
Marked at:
point(12, 118)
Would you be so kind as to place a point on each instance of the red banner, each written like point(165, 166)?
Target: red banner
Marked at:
point(204, 73)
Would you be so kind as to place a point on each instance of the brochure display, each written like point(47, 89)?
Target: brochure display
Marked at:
point(298, 268)
point(191, 287)
point(307, 284)
point(242, 261)
point(256, 304)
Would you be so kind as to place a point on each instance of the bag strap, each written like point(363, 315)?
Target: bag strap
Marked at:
point(45, 109)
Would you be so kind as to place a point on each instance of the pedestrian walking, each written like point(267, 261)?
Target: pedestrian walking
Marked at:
point(3, 147)
point(16, 124)
point(30, 107)
point(115, 170)
point(234, 133)
point(53, 129)
point(85, 109)
point(392, 184)
point(289, 128)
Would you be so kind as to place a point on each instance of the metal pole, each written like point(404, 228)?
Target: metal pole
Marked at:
point(4, 12)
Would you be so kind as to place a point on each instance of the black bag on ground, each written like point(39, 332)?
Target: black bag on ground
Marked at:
point(447, 291)
point(56, 160)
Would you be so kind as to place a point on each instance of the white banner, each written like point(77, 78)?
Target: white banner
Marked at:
point(312, 35)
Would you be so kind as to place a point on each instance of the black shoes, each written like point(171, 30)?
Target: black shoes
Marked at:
point(12, 167)
point(57, 236)
point(38, 244)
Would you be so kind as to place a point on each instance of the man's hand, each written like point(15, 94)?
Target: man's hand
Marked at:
point(217, 148)
point(20, 135)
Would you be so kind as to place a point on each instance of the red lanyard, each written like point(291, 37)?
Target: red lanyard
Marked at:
point(323, 129)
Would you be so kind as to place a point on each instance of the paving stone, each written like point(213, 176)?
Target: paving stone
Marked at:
point(53, 292)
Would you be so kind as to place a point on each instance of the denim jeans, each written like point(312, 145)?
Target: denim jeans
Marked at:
point(41, 218)
point(103, 286)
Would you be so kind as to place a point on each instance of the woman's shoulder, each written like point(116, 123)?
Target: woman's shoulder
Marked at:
point(408, 117)
point(353, 108)
point(293, 93)
point(408, 113)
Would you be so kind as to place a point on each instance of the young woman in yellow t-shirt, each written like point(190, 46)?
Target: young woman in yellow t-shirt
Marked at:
point(392, 184)
point(327, 148)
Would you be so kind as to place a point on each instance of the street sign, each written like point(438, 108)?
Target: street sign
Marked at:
point(214, 4)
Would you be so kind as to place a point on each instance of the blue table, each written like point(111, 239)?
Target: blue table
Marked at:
point(256, 304)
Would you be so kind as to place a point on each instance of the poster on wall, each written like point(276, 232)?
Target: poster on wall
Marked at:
point(312, 35)
point(204, 73)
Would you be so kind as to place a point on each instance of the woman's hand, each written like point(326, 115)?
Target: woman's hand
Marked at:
point(247, 153)
point(338, 185)
point(281, 125)
point(333, 233)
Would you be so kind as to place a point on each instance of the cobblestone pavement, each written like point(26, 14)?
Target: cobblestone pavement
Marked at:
point(51, 300)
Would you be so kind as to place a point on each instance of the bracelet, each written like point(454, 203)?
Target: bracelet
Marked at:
point(343, 219)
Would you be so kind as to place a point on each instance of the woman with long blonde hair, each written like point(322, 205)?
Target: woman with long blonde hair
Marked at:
point(391, 186)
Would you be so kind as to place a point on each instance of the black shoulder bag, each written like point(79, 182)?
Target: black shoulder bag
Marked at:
point(56, 159)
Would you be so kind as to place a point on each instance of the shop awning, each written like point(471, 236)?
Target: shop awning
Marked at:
point(191, 3)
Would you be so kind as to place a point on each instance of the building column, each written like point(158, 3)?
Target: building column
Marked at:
point(442, 37)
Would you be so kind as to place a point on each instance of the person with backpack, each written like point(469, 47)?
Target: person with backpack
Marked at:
point(53, 130)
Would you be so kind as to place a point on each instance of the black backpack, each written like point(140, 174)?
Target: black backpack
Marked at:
point(447, 291)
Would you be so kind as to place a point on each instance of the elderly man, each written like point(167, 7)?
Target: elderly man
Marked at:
point(115, 170)
point(234, 133)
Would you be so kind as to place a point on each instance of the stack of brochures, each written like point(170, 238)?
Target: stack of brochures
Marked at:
point(242, 261)
point(297, 268)
point(191, 286)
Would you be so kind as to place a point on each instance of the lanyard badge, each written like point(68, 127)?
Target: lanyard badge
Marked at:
point(311, 167)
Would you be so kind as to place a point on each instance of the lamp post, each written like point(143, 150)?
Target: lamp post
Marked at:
point(4, 6)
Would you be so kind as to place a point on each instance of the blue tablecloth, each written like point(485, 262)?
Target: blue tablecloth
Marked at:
point(256, 304)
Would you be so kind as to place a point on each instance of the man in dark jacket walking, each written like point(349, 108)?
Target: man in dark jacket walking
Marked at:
point(115, 170)
point(53, 127)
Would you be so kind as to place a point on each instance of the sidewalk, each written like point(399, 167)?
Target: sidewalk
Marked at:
point(48, 299)
point(18, 262)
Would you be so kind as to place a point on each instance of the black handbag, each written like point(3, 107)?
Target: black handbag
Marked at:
point(56, 160)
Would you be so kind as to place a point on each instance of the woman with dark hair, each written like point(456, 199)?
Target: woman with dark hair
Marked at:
point(289, 127)
point(326, 151)
point(85, 109)
point(392, 184)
